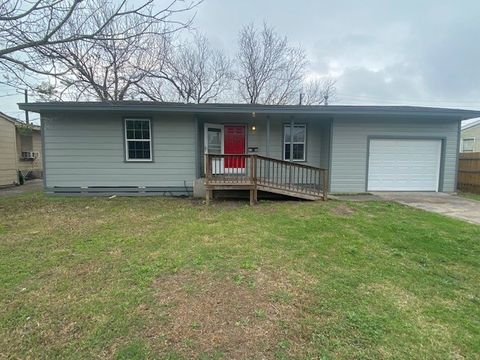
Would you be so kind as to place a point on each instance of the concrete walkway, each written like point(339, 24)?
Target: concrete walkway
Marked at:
point(446, 204)
point(30, 185)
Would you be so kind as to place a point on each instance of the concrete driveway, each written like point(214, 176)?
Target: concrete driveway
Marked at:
point(446, 204)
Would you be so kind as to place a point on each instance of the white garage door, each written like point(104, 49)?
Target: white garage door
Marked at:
point(404, 165)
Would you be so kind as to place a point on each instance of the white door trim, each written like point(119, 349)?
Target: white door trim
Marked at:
point(205, 136)
point(218, 164)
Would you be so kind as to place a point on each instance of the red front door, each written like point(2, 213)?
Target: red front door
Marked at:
point(234, 143)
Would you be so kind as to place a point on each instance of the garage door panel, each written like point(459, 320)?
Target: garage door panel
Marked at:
point(404, 165)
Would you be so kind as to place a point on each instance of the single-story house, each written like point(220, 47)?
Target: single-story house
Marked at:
point(159, 148)
point(470, 137)
point(20, 150)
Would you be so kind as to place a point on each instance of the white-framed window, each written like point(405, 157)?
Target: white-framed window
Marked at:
point(138, 140)
point(468, 144)
point(298, 146)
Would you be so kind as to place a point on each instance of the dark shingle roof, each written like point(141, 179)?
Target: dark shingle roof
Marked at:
point(153, 107)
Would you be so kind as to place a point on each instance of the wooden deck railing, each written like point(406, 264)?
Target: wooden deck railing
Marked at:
point(256, 172)
point(229, 169)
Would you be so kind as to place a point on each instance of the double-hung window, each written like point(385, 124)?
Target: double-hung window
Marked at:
point(468, 144)
point(295, 142)
point(138, 140)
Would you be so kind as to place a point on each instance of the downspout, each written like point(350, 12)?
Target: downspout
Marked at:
point(44, 155)
point(459, 131)
point(330, 155)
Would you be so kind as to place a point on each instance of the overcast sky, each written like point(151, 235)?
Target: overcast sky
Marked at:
point(402, 52)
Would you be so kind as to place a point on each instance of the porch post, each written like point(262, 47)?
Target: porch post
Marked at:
point(197, 150)
point(292, 124)
point(267, 150)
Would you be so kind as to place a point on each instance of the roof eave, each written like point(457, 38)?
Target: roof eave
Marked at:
point(330, 110)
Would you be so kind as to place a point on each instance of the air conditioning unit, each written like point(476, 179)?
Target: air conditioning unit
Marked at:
point(29, 155)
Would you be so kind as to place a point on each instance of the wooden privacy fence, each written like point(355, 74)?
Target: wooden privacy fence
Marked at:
point(469, 172)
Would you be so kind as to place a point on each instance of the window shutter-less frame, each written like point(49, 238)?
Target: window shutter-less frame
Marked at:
point(138, 140)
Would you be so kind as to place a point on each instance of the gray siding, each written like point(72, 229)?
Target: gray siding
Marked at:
point(350, 141)
point(325, 146)
point(313, 144)
point(88, 150)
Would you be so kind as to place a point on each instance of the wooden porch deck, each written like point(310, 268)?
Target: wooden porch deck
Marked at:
point(255, 172)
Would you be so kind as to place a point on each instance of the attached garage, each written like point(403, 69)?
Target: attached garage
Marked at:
point(404, 164)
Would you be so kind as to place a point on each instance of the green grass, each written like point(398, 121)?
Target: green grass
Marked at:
point(470, 195)
point(90, 278)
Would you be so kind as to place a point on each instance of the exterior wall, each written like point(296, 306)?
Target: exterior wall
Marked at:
point(473, 132)
point(8, 153)
point(350, 142)
point(31, 142)
point(89, 151)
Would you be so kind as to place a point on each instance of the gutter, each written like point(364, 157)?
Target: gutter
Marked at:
point(330, 110)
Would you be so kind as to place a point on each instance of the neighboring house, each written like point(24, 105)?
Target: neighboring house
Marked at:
point(470, 137)
point(159, 148)
point(20, 149)
point(8, 152)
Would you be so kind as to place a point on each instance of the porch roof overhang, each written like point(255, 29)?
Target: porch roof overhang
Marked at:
point(289, 110)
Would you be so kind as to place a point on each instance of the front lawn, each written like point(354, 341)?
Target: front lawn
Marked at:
point(134, 278)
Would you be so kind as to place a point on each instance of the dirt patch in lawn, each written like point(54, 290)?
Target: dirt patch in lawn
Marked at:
point(401, 298)
point(343, 210)
point(246, 315)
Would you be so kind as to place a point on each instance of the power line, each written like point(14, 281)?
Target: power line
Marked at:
point(375, 98)
point(6, 95)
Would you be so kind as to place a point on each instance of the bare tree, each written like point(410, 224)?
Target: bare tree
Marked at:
point(46, 92)
point(27, 26)
point(318, 91)
point(108, 68)
point(270, 71)
point(194, 72)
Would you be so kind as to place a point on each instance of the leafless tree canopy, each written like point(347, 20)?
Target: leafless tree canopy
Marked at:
point(270, 71)
point(318, 91)
point(111, 51)
point(193, 72)
point(108, 68)
point(28, 28)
